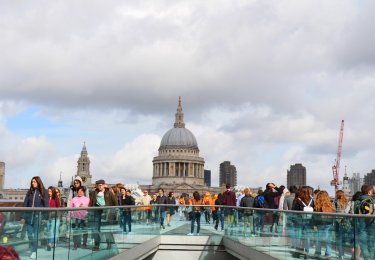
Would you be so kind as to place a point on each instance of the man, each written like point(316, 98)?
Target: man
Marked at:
point(229, 199)
point(270, 195)
point(145, 201)
point(366, 227)
point(101, 197)
point(162, 199)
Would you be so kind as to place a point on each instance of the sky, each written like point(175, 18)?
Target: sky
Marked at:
point(264, 84)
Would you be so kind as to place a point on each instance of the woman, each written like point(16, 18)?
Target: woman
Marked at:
point(303, 202)
point(79, 223)
point(53, 223)
point(36, 197)
point(171, 209)
point(322, 223)
point(342, 225)
point(219, 211)
point(154, 209)
point(196, 212)
point(127, 200)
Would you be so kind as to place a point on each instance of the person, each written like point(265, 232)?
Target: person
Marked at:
point(162, 199)
point(247, 201)
point(213, 209)
point(53, 222)
point(366, 228)
point(341, 203)
point(303, 202)
point(36, 197)
point(290, 217)
point(322, 223)
point(219, 212)
point(171, 209)
point(356, 250)
point(154, 208)
point(79, 223)
point(145, 201)
point(207, 210)
point(196, 203)
point(77, 183)
point(229, 199)
point(181, 208)
point(127, 200)
point(271, 197)
point(8, 253)
point(101, 197)
point(258, 214)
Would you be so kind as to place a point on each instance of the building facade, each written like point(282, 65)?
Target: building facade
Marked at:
point(228, 174)
point(178, 166)
point(83, 167)
point(207, 178)
point(296, 175)
point(370, 178)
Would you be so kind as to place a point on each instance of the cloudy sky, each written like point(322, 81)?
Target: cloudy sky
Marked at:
point(264, 84)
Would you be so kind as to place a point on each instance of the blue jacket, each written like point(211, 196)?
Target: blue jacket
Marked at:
point(38, 203)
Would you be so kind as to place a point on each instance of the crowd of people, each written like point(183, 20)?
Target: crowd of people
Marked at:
point(240, 210)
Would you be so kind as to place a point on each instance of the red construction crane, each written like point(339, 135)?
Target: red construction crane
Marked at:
point(336, 168)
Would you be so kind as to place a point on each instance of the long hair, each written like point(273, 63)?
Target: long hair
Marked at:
point(40, 187)
point(54, 193)
point(304, 195)
point(341, 199)
point(196, 195)
point(323, 201)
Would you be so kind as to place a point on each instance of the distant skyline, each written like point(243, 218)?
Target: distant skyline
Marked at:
point(264, 85)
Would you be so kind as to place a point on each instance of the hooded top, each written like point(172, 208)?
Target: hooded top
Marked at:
point(73, 190)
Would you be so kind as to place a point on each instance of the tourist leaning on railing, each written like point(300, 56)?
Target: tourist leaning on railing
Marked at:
point(36, 197)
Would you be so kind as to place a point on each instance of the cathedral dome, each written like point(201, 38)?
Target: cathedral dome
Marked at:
point(179, 137)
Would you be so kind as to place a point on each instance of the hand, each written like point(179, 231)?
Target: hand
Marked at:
point(22, 221)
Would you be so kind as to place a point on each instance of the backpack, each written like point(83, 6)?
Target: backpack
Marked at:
point(307, 208)
point(365, 206)
point(259, 201)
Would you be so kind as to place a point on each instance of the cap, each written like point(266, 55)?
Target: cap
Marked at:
point(100, 182)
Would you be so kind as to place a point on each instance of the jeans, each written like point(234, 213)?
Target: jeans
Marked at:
point(127, 220)
point(79, 228)
point(196, 216)
point(163, 215)
point(219, 218)
point(53, 226)
point(33, 233)
point(324, 233)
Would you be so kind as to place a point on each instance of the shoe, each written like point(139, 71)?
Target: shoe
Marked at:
point(33, 255)
point(163, 226)
point(190, 234)
point(168, 225)
point(215, 228)
point(197, 234)
point(95, 248)
point(75, 247)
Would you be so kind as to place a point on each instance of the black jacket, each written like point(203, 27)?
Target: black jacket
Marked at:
point(269, 198)
point(247, 202)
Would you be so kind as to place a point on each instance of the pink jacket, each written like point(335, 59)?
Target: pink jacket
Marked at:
point(79, 202)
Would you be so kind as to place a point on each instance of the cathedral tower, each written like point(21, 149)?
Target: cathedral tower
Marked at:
point(83, 167)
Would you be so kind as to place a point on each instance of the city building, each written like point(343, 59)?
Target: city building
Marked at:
point(178, 166)
point(355, 183)
point(207, 178)
point(370, 178)
point(346, 185)
point(296, 175)
point(83, 167)
point(228, 174)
